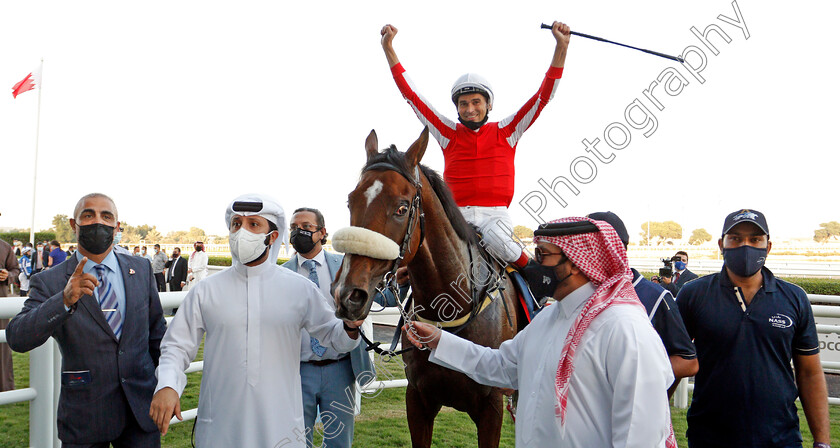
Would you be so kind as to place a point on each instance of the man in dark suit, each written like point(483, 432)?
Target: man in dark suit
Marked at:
point(681, 274)
point(104, 311)
point(176, 271)
point(45, 254)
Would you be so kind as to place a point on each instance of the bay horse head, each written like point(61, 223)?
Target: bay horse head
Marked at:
point(386, 219)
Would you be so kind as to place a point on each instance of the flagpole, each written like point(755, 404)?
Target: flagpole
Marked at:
point(35, 168)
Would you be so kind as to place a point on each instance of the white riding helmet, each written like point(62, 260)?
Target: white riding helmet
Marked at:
point(472, 83)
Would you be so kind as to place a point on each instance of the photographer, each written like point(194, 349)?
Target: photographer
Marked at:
point(675, 274)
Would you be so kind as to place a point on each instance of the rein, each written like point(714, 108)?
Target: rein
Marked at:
point(389, 280)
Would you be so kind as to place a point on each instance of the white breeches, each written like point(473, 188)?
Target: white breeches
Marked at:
point(496, 227)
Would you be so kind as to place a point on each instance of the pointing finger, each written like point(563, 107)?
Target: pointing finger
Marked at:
point(81, 267)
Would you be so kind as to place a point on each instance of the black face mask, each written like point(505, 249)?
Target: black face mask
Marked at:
point(744, 261)
point(473, 124)
point(543, 280)
point(302, 241)
point(96, 238)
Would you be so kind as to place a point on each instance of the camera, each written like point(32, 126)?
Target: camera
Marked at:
point(667, 270)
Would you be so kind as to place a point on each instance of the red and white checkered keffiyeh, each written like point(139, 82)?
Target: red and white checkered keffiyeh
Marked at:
point(602, 258)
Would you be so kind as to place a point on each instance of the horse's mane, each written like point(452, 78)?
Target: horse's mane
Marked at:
point(394, 157)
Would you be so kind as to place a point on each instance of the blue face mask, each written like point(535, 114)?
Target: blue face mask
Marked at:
point(117, 238)
point(744, 261)
point(680, 265)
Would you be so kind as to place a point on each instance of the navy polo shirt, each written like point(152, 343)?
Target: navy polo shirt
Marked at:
point(745, 390)
point(665, 317)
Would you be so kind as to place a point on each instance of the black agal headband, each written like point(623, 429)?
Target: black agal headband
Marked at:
point(566, 228)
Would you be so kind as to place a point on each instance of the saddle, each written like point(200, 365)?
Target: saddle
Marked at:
point(527, 301)
point(525, 297)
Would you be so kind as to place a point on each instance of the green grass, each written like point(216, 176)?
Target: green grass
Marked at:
point(381, 424)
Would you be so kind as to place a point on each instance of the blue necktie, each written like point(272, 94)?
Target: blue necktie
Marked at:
point(313, 274)
point(317, 348)
point(108, 301)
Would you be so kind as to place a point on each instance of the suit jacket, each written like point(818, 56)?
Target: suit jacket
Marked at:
point(685, 277)
point(10, 264)
point(99, 373)
point(45, 255)
point(358, 356)
point(180, 273)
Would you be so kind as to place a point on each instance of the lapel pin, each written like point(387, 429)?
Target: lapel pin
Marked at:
point(130, 271)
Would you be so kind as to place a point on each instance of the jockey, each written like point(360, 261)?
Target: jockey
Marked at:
point(479, 156)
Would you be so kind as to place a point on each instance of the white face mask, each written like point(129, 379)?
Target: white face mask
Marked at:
point(247, 246)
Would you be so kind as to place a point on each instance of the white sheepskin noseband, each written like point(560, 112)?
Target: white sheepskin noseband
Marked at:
point(366, 242)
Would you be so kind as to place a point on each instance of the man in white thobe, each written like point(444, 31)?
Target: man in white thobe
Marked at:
point(590, 369)
point(197, 266)
point(252, 315)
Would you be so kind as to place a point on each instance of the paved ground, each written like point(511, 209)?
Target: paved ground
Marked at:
point(384, 333)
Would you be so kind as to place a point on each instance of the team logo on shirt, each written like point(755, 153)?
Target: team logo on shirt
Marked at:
point(779, 320)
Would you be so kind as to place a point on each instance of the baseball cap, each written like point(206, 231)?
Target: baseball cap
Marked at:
point(616, 223)
point(745, 215)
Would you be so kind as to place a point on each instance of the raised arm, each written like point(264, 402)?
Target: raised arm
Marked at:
point(43, 313)
point(441, 128)
point(562, 34)
point(515, 125)
point(388, 32)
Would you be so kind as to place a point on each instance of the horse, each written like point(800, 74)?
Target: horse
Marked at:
point(449, 270)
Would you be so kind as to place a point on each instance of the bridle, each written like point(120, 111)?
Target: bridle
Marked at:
point(389, 279)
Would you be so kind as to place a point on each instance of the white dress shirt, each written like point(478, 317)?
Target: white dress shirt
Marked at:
point(324, 281)
point(250, 388)
point(617, 392)
point(324, 277)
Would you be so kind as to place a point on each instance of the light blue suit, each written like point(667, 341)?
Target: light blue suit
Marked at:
point(326, 386)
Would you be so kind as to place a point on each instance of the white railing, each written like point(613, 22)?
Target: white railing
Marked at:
point(45, 361)
point(779, 267)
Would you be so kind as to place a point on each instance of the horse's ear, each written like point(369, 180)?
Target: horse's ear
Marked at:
point(372, 144)
point(418, 148)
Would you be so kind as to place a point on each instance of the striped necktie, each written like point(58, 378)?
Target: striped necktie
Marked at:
point(313, 274)
point(314, 343)
point(108, 300)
